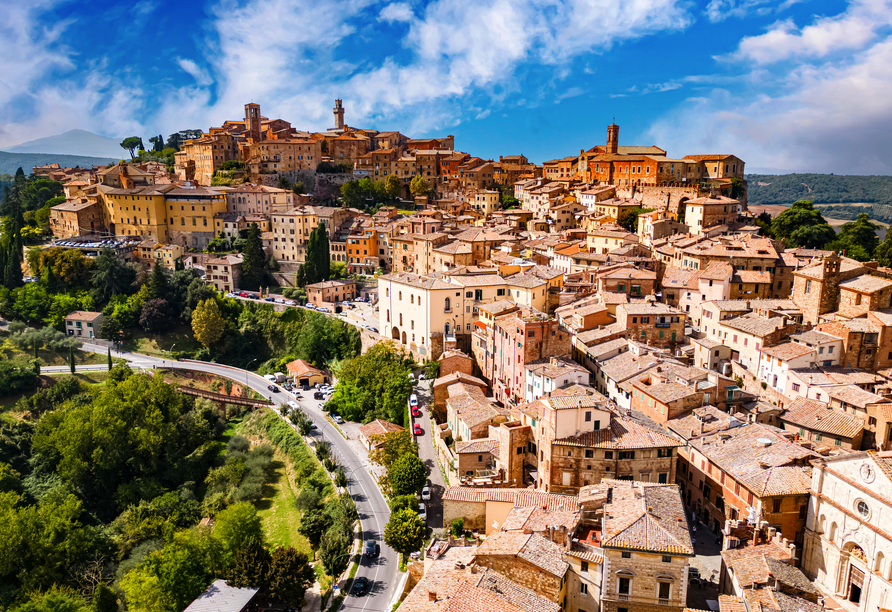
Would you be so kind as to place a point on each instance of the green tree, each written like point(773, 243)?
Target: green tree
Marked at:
point(71, 358)
point(334, 552)
point(159, 281)
point(110, 363)
point(457, 527)
point(392, 186)
point(208, 323)
point(131, 144)
point(290, 575)
point(803, 225)
point(235, 526)
point(628, 219)
point(407, 475)
point(313, 525)
point(156, 316)
point(110, 276)
point(405, 531)
point(322, 254)
point(254, 262)
point(858, 239)
point(251, 565)
point(104, 599)
point(400, 502)
point(157, 143)
point(391, 446)
point(419, 187)
point(55, 600)
point(883, 252)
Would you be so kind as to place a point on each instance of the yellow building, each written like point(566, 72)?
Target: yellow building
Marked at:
point(190, 215)
point(139, 211)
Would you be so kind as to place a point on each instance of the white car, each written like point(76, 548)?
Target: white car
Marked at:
point(426, 493)
point(422, 512)
point(290, 303)
point(294, 405)
point(337, 419)
point(280, 301)
point(413, 401)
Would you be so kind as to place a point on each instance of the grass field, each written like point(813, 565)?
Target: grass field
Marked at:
point(277, 512)
point(179, 338)
point(50, 358)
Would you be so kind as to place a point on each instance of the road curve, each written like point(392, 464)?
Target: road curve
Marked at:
point(381, 572)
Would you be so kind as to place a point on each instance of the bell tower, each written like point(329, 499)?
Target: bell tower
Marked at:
point(339, 115)
point(252, 121)
point(612, 138)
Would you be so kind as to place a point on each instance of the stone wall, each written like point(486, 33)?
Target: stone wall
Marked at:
point(524, 573)
point(645, 568)
point(474, 514)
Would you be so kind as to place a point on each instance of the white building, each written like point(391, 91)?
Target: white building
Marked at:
point(543, 377)
point(848, 545)
point(775, 363)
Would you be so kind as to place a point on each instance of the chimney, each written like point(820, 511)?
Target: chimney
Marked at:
point(473, 569)
point(432, 596)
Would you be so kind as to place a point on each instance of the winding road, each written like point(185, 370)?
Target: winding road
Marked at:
point(381, 572)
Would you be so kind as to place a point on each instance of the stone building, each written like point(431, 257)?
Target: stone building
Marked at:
point(652, 323)
point(724, 474)
point(75, 218)
point(643, 532)
point(848, 547)
point(816, 421)
point(528, 559)
point(328, 292)
point(224, 273)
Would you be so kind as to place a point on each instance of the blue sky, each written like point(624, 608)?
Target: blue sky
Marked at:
point(795, 85)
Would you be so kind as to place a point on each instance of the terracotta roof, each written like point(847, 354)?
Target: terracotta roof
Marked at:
point(480, 445)
point(818, 416)
point(82, 315)
point(788, 350)
point(866, 284)
point(299, 367)
point(645, 516)
point(378, 427)
point(521, 498)
point(530, 547)
point(622, 433)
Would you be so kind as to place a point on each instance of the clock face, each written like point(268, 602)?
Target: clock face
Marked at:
point(867, 472)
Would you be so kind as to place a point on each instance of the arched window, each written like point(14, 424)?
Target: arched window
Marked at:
point(878, 564)
point(447, 305)
point(832, 535)
point(400, 295)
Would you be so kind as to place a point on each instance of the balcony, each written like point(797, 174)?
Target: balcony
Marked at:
point(663, 601)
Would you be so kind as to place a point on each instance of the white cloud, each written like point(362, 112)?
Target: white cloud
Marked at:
point(851, 30)
point(396, 11)
point(572, 92)
point(719, 10)
point(826, 119)
point(200, 75)
point(266, 50)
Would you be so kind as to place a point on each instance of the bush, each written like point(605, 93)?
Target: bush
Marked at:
point(457, 527)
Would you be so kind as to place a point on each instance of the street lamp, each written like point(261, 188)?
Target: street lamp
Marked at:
point(170, 350)
point(247, 370)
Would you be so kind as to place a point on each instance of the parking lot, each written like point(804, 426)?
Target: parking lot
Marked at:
point(357, 313)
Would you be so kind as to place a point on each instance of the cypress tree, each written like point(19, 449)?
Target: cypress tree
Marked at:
point(109, 359)
point(71, 358)
point(310, 273)
point(323, 256)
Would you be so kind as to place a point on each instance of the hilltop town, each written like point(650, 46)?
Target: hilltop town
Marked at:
point(634, 398)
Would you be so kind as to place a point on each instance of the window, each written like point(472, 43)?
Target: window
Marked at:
point(776, 506)
point(588, 416)
point(608, 454)
point(667, 559)
point(583, 588)
point(585, 566)
point(589, 454)
point(447, 305)
point(626, 555)
point(665, 590)
point(795, 386)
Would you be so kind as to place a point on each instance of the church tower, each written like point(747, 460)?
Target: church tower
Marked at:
point(252, 121)
point(339, 115)
point(612, 138)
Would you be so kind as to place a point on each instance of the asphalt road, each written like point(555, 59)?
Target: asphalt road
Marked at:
point(381, 572)
point(427, 453)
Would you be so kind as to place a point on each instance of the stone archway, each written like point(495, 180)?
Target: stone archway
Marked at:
point(854, 567)
point(404, 338)
point(395, 334)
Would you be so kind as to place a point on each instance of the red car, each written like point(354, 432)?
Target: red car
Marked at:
point(416, 429)
point(416, 413)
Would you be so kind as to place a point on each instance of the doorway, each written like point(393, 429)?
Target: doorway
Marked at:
point(856, 582)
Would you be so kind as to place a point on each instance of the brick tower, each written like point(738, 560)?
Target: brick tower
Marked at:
point(339, 115)
point(252, 121)
point(612, 138)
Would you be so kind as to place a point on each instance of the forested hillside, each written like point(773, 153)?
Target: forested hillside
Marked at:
point(784, 189)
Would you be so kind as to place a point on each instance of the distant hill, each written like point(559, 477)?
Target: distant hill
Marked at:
point(10, 162)
point(784, 189)
point(73, 142)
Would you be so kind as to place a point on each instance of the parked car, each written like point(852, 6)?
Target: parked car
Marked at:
point(280, 301)
point(413, 401)
point(374, 330)
point(426, 493)
point(273, 388)
point(269, 299)
point(243, 294)
point(371, 549)
point(359, 586)
point(416, 429)
point(317, 395)
point(305, 387)
point(416, 413)
point(422, 512)
point(294, 405)
point(337, 419)
point(290, 303)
